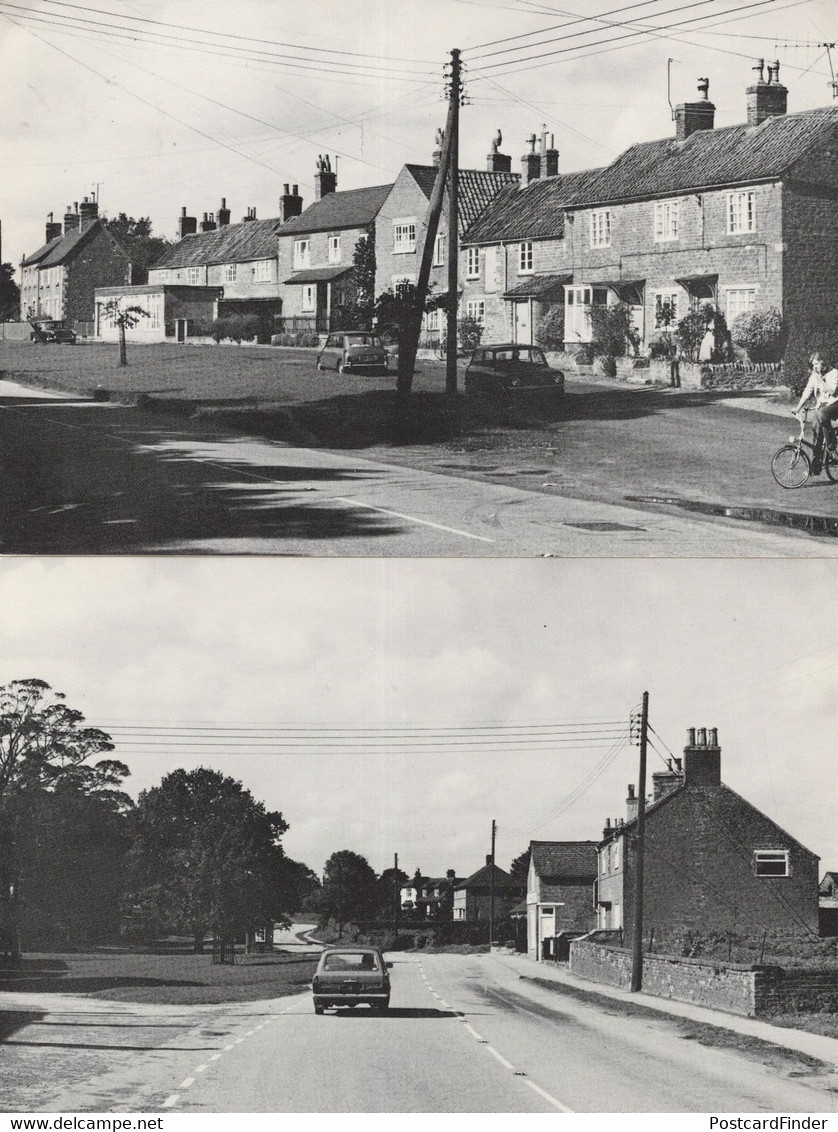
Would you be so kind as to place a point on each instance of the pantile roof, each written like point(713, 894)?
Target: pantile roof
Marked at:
point(352, 208)
point(477, 189)
point(555, 859)
point(730, 155)
point(43, 251)
point(68, 245)
point(234, 243)
point(530, 213)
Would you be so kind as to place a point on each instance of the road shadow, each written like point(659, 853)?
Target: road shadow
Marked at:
point(13, 1020)
point(395, 1012)
point(78, 481)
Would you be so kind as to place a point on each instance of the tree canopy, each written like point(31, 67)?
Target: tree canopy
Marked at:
point(206, 855)
point(135, 236)
point(9, 294)
point(350, 888)
point(520, 867)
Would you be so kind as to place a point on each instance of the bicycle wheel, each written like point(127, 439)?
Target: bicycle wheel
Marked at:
point(790, 466)
point(830, 466)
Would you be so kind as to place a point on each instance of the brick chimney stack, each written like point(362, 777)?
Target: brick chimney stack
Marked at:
point(71, 219)
point(631, 803)
point(208, 223)
point(325, 181)
point(223, 214)
point(251, 215)
point(530, 163)
point(436, 157)
point(497, 162)
point(549, 156)
point(53, 229)
point(665, 781)
point(702, 757)
point(693, 116)
point(766, 99)
point(290, 203)
point(88, 213)
point(186, 225)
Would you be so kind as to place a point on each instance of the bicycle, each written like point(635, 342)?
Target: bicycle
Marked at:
point(792, 464)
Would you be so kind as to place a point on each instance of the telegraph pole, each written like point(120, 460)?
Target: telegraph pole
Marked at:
point(492, 888)
point(637, 929)
point(397, 893)
point(455, 94)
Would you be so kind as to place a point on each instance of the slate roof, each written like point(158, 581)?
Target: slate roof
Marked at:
point(352, 208)
point(234, 243)
point(37, 256)
point(481, 877)
point(730, 155)
point(553, 860)
point(534, 212)
point(478, 188)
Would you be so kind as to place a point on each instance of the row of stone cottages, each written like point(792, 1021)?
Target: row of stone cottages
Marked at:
point(744, 217)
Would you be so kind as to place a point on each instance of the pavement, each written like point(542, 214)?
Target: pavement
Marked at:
point(814, 1045)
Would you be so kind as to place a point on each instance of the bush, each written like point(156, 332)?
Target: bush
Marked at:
point(608, 365)
point(551, 329)
point(611, 329)
point(236, 327)
point(469, 333)
point(692, 328)
point(296, 338)
point(760, 333)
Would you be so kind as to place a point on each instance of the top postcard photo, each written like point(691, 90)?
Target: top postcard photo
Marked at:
point(460, 278)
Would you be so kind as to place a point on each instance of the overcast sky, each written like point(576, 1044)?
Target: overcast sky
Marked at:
point(748, 647)
point(161, 116)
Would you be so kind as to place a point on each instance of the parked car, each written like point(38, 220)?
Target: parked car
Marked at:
point(509, 369)
point(354, 349)
point(53, 330)
point(350, 976)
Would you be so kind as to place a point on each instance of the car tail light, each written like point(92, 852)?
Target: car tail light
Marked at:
point(315, 983)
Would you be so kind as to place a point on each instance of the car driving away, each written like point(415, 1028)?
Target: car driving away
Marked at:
point(351, 976)
point(353, 350)
point(508, 370)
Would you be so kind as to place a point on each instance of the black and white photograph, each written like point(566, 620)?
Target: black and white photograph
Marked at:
point(321, 837)
point(459, 278)
point(418, 587)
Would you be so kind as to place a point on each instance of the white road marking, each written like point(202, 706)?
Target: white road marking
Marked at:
point(410, 518)
point(200, 1068)
point(547, 1096)
point(250, 1033)
point(228, 1047)
point(216, 1057)
point(186, 1082)
point(238, 1041)
point(506, 1064)
point(474, 1033)
point(171, 1100)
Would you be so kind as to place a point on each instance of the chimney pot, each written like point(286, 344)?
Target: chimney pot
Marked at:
point(679, 765)
point(295, 191)
point(183, 211)
point(701, 737)
point(690, 736)
point(712, 737)
point(631, 790)
point(766, 99)
point(325, 181)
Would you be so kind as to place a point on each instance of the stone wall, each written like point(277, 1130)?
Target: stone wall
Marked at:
point(734, 988)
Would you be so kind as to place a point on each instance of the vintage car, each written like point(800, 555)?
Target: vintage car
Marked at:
point(52, 330)
point(352, 349)
point(508, 370)
point(351, 976)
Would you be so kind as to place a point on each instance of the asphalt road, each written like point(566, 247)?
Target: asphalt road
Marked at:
point(464, 1034)
point(80, 477)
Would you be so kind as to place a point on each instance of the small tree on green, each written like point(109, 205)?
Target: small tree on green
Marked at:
point(124, 318)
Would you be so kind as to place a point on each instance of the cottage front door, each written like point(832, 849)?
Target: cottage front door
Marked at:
point(523, 323)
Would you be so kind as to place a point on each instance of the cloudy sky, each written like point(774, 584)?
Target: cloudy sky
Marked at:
point(748, 647)
point(146, 99)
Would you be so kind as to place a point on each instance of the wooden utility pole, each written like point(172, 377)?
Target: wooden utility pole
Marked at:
point(637, 928)
point(492, 888)
point(397, 894)
point(410, 339)
point(453, 233)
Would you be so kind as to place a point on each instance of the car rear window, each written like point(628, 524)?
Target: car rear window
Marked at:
point(351, 961)
point(362, 340)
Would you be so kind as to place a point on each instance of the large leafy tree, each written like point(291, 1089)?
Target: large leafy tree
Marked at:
point(135, 236)
point(9, 294)
point(206, 856)
point(349, 890)
point(389, 887)
point(520, 867)
point(45, 750)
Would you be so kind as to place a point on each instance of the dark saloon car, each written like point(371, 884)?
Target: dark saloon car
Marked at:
point(505, 371)
point(53, 330)
point(351, 976)
point(352, 349)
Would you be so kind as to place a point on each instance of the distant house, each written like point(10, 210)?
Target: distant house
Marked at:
point(473, 896)
point(316, 251)
point(713, 862)
point(399, 228)
point(430, 896)
point(742, 217)
point(560, 892)
point(828, 904)
point(59, 280)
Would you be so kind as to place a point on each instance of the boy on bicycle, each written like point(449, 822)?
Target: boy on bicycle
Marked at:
point(822, 388)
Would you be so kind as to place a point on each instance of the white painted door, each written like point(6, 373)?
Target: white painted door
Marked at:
point(523, 322)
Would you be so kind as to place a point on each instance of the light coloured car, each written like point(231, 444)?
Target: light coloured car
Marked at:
point(349, 350)
point(351, 976)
